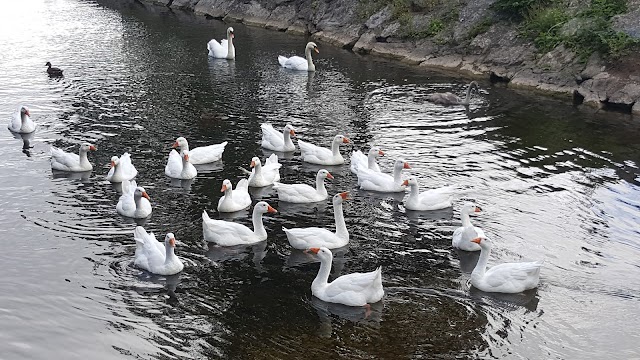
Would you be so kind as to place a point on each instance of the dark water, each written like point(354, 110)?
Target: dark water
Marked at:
point(555, 182)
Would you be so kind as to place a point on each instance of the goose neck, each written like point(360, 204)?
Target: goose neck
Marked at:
point(258, 226)
point(481, 266)
point(84, 161)
point(371, 161)
point(466, 220)
point(335, 148)
point(310, 65)
point(170, 254)
point(320, 189)
point(341, 227)
point(321, 280)
point(397, 174)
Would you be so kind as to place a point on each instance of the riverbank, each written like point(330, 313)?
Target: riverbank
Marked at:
point(468, 38)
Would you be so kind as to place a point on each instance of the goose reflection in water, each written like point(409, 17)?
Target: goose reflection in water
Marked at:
point(359, 314)
point(26, 141)
point(169, 285)
point(239, 252)
point(182, 183)
point(527, 299)
point(82, 176)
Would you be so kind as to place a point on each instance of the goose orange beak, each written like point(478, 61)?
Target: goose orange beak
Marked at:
point(317, 51)
point(27, 113)
point(253, 163)
point(405, 183)
point(93, 148)
point(477, 209)
point(172, 242)
point(145, 195)
point(271, 210)
point(345, 140)
point(113, 164)
point(314, 250)
point(329, 176)
point(380, 152)
point(224, 188)
point(345, 195)
point(186, 157)
point(406, 166)
point(476, 240)
point(175, 145)
point(292, 133)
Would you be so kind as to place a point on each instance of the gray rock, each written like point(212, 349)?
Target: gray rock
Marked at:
point(376, 20)
point(183, 4)
point(628, 95)
point(390, 30)
point(628, 23)
point(469, 16)
point(594, 66)
point(636, 108)
point(365, 43)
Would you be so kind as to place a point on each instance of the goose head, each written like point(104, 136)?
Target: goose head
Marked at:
point(181, 143)
point(401, 164)
point(262, 207)
point(324, 174)
point(255, 162)
point(87, 147)
point(290, 129)
point(375, 152)
point(185, 156)
point(226, 185)
point(24, 111)
point(470, 208)
point(483, 242)
point(230, 32)
point(410, 181)
point(169, 240)
point(48, 64)
point(322, 252)
point(340, 198)
point(141, 192)
point(115, 161)
point(341, 139)
point(312, 46)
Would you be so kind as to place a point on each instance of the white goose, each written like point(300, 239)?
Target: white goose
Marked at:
point(266, 175)
point(179, 167)
point(134, 201)
point(121, 169)
point(226, 233)
point(203, 154)
point(379, 181)
point(463, 235)
point(65, 161)
point(275, 141)
point(304, 238)
point(234, 199)
point(322, 156)
point(433, 199)
point(21, 121)
point(359, 161)
point(224, 49)
point(507, 278)
point(298, 63)
point(154, 256)
point(303, 193)
point(357, 289)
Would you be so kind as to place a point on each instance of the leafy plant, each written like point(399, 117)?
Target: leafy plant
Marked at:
point(543, 26)
point(517, 8)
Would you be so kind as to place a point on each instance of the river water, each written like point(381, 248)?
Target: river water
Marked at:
point(555, 182)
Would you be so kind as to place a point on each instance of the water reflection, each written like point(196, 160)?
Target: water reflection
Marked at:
point(82, 176)
point(226, 253)
point(358, 314)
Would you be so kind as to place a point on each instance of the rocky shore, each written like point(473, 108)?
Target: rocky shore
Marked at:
point(476, 43)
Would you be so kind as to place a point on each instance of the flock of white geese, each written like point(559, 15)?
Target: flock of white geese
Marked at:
point(357, 289)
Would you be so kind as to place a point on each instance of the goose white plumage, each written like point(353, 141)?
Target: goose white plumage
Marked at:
point(276, 141)
point(154, 256)
point(179, 167)
point(322, 156)
point(433, 199)
point(226, 233)
point(379, 181)
point(21, 121)
point(299, 63)
point(357, 289)
point(359, 161)
point(234, 199)
point(266, 175)
point(507, 278)
point(64, 161)
point(463, 235)
point(303, 193)
point(134, 201)
point(304, 238)
point(121, 169)
point(202, 154)
point(223, 49)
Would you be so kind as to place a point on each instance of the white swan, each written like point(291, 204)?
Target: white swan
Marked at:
point(357, 289)
point(451, 99)
point(224, 49)
point(379, 181)
point(322, 156)
point(359, 161)
point(65, 161)
point(303, 193)
point(134, 201)
point(226, 233)
point(276, 141)
point(463, 235)
point(154, 256)
point(266, 175)
point(121, 169)
point(433, 199)
point(298, 63)
point(179, 167)
point(508, 278)
point(234, 199)
point(203, 154)
point(304, 238)
point(21, 121)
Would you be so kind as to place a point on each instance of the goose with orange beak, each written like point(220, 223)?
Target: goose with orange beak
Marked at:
point(381, 182)
point(134, 201)
point(359, 161)
point(179, 167)
point(276, 141)
point(433, 199)
point(304, 238)
point(463, 235)
point(21, 121)
point(121, 169)
point(322, 156)
point(303, 193)
point(203, 154)
point(234, 199)
point(266, 175)
point(226, 233)
point(507, 278)
point(357, 289)
point(64, 161)
point(156, 257)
